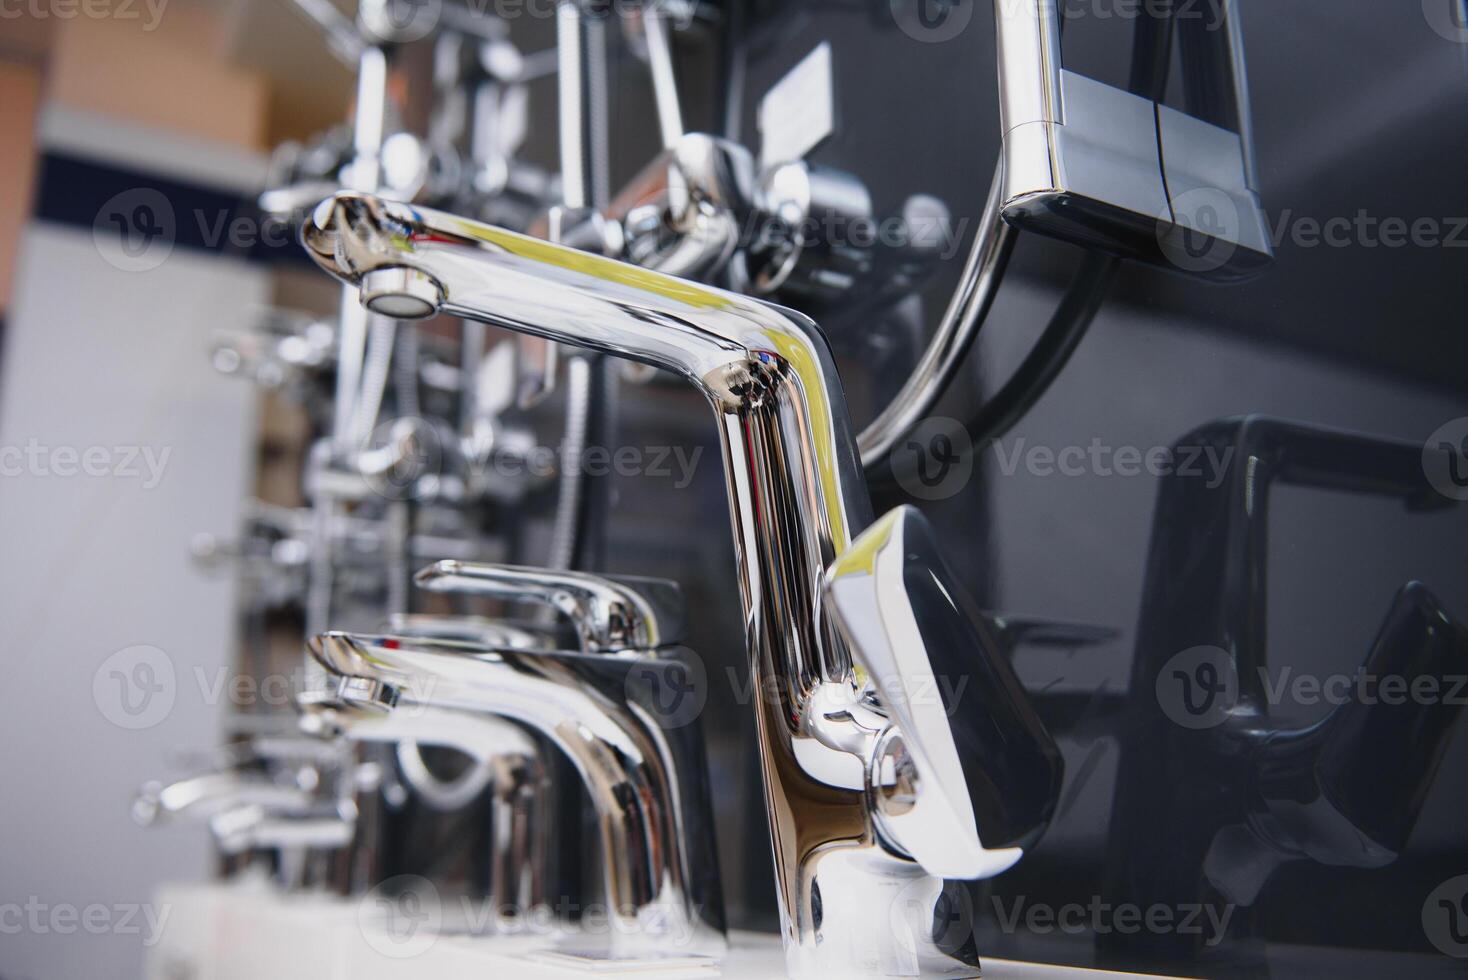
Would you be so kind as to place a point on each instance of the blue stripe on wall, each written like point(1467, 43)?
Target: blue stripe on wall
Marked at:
point(84, 193)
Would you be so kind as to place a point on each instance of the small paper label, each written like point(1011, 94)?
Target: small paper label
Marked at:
point(799, 110)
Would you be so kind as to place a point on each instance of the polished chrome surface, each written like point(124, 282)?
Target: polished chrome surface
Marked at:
point(806, 248)
point(400, 293)
point(288, 816)
point(203, 796)
point(962, 799)
point(252, 828)
point(694, 230)
point(646, 781)
point(964, 316)
point(610, 615)
point(849, 903)
point(664, 81)
point(1114, 170)
point(507, 761)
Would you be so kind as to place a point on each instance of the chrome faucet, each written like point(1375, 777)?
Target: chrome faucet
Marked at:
point(633, 616)
point(624, 614)
point(645, 780)
point(507, 760)
point(797, 501)
point(293, 826)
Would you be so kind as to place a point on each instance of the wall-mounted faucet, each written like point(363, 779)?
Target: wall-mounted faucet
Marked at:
point(797, 502)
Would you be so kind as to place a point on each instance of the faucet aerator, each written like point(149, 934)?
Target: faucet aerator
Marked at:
point(403, 293)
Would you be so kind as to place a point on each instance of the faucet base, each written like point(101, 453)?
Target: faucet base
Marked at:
point(880, 917)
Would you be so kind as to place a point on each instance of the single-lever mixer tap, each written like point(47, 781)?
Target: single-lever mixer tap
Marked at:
point(857, 752)
point(604, 706)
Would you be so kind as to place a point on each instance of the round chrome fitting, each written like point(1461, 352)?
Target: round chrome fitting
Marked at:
point(400, 292)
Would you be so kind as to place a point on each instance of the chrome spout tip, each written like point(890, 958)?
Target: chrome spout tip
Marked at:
point(340, 653)
point(432, 576)
point(360, 239)
point(400, 292)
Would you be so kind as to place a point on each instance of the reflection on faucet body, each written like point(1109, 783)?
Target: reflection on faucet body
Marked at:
point(797, 500)
point(645, 780)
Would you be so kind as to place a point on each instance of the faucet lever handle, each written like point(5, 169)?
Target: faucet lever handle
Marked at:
point(610, 614)
point(965, 777)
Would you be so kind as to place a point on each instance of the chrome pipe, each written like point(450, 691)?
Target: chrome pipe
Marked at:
point(965, 315)
point(664, 79)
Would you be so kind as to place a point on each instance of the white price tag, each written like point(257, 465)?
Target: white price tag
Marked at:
point(799, 110)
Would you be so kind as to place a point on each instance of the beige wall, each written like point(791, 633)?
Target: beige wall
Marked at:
point(20, 99)
point(175, 77)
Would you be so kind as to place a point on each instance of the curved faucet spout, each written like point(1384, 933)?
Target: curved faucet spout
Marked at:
point(257, 820)
point(206, 795)
point(795, 484)
point(641, 768)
